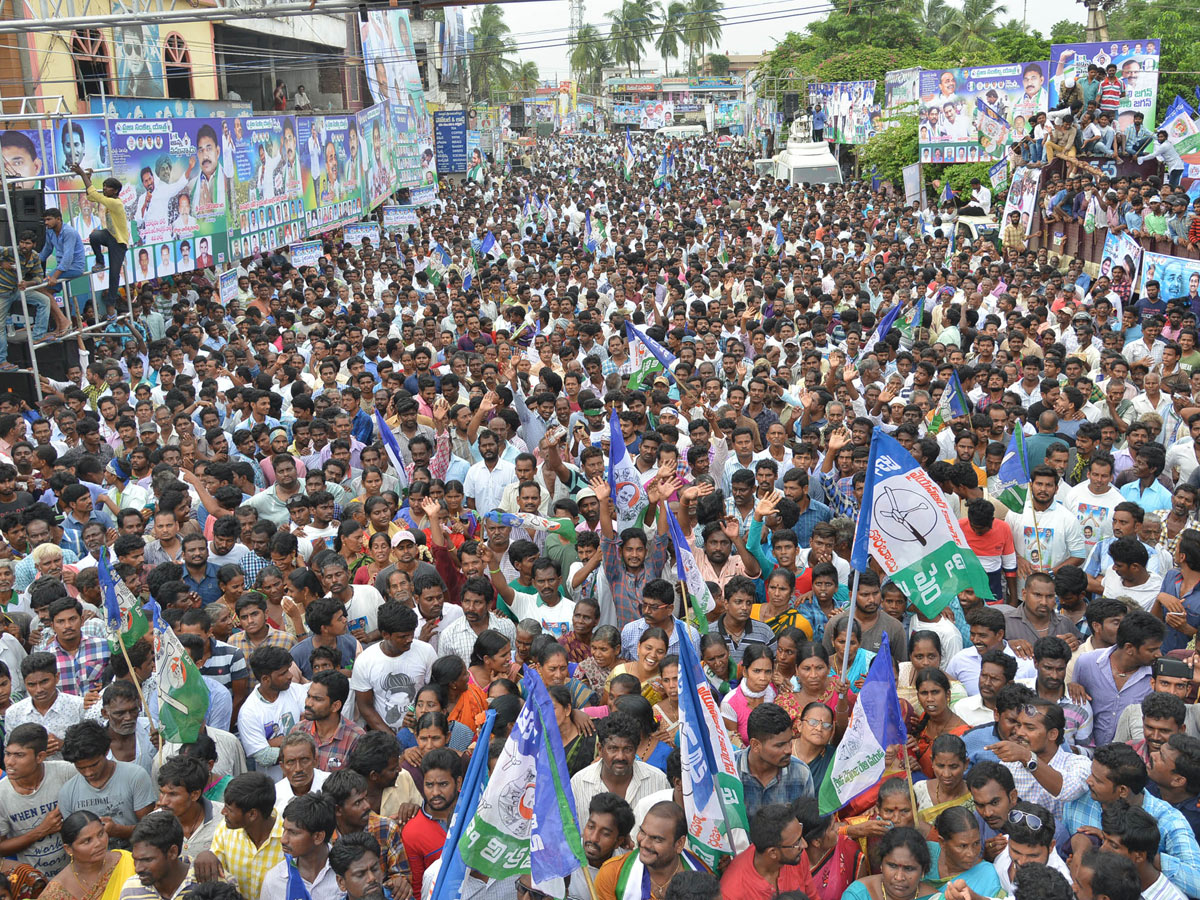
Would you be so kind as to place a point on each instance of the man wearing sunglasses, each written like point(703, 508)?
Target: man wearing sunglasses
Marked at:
point(1030, 831)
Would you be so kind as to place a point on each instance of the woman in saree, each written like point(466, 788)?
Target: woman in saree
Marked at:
point(666, 710)
point(779, 612)
point(893, 809)
point(844, 629)
point(596, 669)
point(432, 698)
point(491, 658)
point(836, 861)
point(958, 854)
point(95, 872)
point(924, 652)
point(379, 550)
point(904, 860)
point(933, 692)
point(465, 701)
point(814, 746)
point(718, 666)
point(946, 788)
point(787, 642)
point(580, 748)
point(814, 684)
point(652, 647)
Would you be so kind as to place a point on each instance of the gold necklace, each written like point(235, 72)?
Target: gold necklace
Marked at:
point(87, 888)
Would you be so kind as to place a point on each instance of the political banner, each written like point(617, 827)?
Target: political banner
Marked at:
point(307, 253)
point(262, 161)
point(1123, 250)
point(388, 55)
point(850, 108)
point(913, 194)
point(1137, 65)
point(139, 60)
point(227, 286)
point(450, 141)
point(174, 169)
point(167, 108)
point(657, 114)
point(331, 162)
point(28, 153)
point(1022, 195)
point(379, 173)
point(354, 234)
point(399, 216)
point(900, 95)
point(1178, 125)
point(412, 159)
point(973, 114)
point(1176, 276)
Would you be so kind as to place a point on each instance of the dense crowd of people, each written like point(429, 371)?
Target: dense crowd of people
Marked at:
point(355, 620)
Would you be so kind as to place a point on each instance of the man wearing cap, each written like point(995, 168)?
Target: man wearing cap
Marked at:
point(123, 493)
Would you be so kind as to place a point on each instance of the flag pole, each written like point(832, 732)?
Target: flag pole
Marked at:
point(591, 885)
point(912, 793)
point(849, 631)
point(133, 675)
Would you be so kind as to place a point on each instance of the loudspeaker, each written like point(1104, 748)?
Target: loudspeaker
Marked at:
point(27, 209)
point(53, 362)
point(516, 115)
point(790, 106)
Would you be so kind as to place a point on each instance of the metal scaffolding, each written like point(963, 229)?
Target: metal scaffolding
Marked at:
point(46, 114)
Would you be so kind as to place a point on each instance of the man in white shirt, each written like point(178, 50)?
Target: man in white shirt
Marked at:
point(980, 203)
point(273, 708)
point(1094, 500)
point(388, 674)
point(987, 629)
point(1030, 833)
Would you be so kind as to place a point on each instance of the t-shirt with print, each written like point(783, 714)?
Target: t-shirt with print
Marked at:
point(20, 813)
point(555, 620)
point(395, 680)
point(1094, 511)
point(128, 789)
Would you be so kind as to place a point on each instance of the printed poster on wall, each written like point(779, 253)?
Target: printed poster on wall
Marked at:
point(900, 95)
point(388, 55)
point(973, 114)
point(450, 141)
point(139, 60)
point(1022, 196)
point(1137, 65)
point(380, 174)
point(262, 158)
point(657, 114)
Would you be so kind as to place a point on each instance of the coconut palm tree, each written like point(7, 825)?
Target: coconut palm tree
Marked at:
point(590, 53)
point(968, 28)
point(702, 29)
point(672, 36)
point(933, 16)
point(623, 36)
point(525, 77)
point(490, 62)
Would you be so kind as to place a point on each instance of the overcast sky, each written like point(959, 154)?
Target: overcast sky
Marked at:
point(752, 27)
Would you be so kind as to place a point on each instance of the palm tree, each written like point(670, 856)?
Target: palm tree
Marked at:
point(702, 29)
point(968, 28)
point(933, 15)
point(623, 37)
point(490, 65)
point(590, 53)
point(525, 77)
point(672, 34)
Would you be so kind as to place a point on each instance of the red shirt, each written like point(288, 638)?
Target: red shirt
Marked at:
point(742, 880)
point(423, 839)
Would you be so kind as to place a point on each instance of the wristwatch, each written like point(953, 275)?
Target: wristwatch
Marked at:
point(1032, 764)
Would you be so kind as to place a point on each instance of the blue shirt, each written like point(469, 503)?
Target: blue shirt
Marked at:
point(788, 785)
point(1154, 498)
point(67, 247)
point(819, 120)
point(362, 427)
point(208, 588)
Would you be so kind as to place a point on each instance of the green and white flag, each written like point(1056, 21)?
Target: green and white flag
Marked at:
point(182, 693)
point(1012, 481)
point(908, 528)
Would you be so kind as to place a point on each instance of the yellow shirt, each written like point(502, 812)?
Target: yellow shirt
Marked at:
point(118, 222)
point(247, 863)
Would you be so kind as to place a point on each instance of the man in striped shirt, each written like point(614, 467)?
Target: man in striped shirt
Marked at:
point(1112, 89)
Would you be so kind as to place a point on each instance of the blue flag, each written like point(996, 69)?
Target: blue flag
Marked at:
point(875, 724)
point(657, 350)
point(881, 331)
point(530, 783)
point(450, 876)
point(392, 447)
point(486, 245)
point(947, 194)
point(108, 588)
point(296, 889)
point(712, 790)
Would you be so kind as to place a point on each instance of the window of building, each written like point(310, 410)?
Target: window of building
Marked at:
point(93, 73)
point(177, 66)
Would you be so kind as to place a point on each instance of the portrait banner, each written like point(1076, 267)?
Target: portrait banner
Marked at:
point(262, 157)
point(973, 114)
point(1137, 65)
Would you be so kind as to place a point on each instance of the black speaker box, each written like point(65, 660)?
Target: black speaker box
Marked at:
point(53, 362)
point(27, 208)
point(516, 115)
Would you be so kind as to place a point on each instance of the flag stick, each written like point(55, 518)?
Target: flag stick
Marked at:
point(133, 675)
point(587, 876)
point(849, 631)
point(912, 793)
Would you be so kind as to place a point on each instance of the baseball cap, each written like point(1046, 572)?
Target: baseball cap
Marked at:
point(401, 536)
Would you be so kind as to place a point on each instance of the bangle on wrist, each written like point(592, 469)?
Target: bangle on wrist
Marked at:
point(493, 571)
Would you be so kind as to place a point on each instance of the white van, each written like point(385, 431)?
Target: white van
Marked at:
point(680, 131)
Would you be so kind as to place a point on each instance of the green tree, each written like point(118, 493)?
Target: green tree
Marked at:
point(672, 36)
point(491, 66)
point(970, 27)
point(702, 29)
point(590, 53)
point(718, 63)
point(1178, 24)
point(933, 17)
point(624, 38)
point(1065, 31)
point(525, 77)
